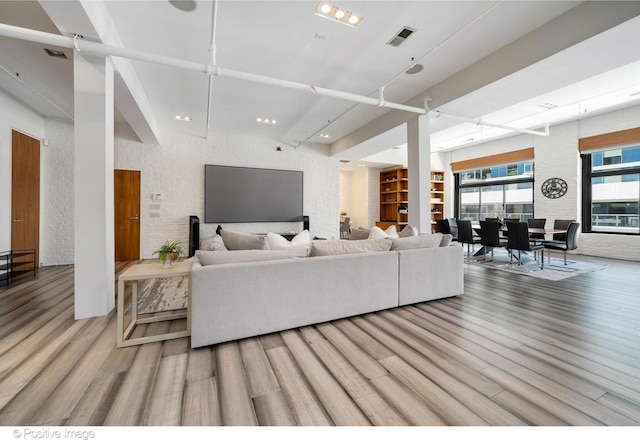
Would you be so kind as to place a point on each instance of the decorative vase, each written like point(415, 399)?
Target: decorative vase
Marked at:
point(165, 259)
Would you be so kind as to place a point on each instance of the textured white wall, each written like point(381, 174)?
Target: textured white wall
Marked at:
point(13, 115)
point(176, 170)
point(557, 156)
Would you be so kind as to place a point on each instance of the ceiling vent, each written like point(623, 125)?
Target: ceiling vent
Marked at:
point(399, 38)
point(55, 53)
point(344, 161)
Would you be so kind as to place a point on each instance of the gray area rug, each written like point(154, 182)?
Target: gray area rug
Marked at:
point(555, 271)
point(161, 294)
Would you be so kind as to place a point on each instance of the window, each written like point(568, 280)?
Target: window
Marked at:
point(611, 189)
point(504, 191)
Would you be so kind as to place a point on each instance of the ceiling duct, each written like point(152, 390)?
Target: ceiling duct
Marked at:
point(399, 38)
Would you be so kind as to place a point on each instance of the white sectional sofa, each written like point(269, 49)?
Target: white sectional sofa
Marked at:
point(286, 289)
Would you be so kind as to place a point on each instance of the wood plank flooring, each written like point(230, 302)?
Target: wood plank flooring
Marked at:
point(513, 350)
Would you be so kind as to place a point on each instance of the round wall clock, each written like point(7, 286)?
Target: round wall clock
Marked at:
point(554, 188)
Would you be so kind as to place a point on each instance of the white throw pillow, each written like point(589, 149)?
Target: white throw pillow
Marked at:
point(417, 242)
point(277, 241)
point(214, 243)
point(377, 232)
point(408, 231)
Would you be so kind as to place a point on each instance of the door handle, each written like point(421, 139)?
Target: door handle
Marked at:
point(134, 217)
point(17, 220)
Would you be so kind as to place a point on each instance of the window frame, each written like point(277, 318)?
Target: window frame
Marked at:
point(587, 187)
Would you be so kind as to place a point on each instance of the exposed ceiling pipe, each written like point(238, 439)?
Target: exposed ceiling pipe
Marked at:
point(107, 50)
point(212, 60)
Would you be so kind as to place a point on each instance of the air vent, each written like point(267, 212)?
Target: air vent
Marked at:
point(344, 161)
point(55, 53)
point(399, 38)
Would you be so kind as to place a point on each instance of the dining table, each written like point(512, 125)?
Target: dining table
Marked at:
point(545, 231)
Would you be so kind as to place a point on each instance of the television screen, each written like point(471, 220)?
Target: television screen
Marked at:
point(250, 195)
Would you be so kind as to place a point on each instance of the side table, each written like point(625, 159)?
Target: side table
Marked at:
point(147, 271)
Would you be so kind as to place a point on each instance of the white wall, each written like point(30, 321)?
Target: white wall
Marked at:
point(13, 115)
point(176, 170)
point(557, 156)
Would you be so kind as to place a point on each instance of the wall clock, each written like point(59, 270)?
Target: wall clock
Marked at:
point(554, 188)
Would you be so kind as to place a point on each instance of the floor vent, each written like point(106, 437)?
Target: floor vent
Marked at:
point(399, 38)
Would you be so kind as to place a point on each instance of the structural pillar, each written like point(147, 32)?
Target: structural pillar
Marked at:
point(93, 193)
point(419, 164)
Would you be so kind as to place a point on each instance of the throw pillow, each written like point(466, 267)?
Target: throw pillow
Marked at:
point(377, 232)
point(208, 258)
point(446, 240)
point(213, 243)
point(359, 234)
point(416, 242)
point(408, 231)
point(320, 248)
point(277, 241)
point(236, 241)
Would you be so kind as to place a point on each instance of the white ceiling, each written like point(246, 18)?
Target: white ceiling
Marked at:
point(491, 60)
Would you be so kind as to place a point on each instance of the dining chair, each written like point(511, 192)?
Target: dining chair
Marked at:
point(345, 228)
point(466, 236)
point(520, 241)
point(561, 224)
point(536, 237)
point(569, 244)
point(443, 226)
point(490, 237)
point(453, 226)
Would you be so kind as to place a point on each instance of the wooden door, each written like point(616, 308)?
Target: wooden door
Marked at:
point(127, 214)
point(25, 196)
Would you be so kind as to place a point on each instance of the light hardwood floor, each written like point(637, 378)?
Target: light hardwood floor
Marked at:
point(512, 350)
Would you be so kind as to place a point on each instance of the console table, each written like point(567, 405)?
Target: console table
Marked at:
point(146, 271)
point(8, 263)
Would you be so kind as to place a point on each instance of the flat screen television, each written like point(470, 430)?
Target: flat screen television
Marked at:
point(251, 195)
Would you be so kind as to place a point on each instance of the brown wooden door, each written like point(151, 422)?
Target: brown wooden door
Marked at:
point(127, 214)
point(25, 196)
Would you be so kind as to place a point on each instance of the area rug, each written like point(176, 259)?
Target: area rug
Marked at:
point(162, 294)
point(554, 271)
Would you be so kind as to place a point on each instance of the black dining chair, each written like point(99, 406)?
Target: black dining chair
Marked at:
point(490, 237)
point(520, 241)
point(442, 225)
point(466, 236)
point(569, 244)
point(536, 237)
point(453, 227)
point(561, 224)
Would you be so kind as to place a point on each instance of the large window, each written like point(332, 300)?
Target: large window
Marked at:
point(504, 191)
point(611, 190)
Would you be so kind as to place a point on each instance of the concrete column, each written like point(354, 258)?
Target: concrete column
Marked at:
point(93, 169)
point(419, 164)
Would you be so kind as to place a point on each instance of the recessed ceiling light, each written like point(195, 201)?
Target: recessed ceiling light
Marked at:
point(335, 13)
point(325, 136)
point(268, 121)
point(414, 69)
point(182, 118)
point(184, 5)
point(547, 105)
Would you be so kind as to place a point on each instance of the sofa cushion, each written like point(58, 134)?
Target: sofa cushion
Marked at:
point(359, 233)
point(377, 232)
point(338, 247)
point(408, 231)
point(446, 240)
point(214, 243)
point(237, 241)
point(208, 258)
point(277, 241)
point(416, 242)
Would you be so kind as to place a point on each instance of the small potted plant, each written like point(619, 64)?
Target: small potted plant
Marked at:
point(168, 252)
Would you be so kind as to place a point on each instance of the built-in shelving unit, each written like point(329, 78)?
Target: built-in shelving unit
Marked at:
point(394, 197)
point(437, 196)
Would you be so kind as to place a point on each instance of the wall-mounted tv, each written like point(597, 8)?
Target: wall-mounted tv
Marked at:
point(251, 195)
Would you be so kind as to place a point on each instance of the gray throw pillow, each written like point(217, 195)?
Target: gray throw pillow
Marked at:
point(320, 248)
point(416, 242)
point(408, 231)
point(359, 234)
point(237, 241)
point(208, 258)
point(214, 243)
